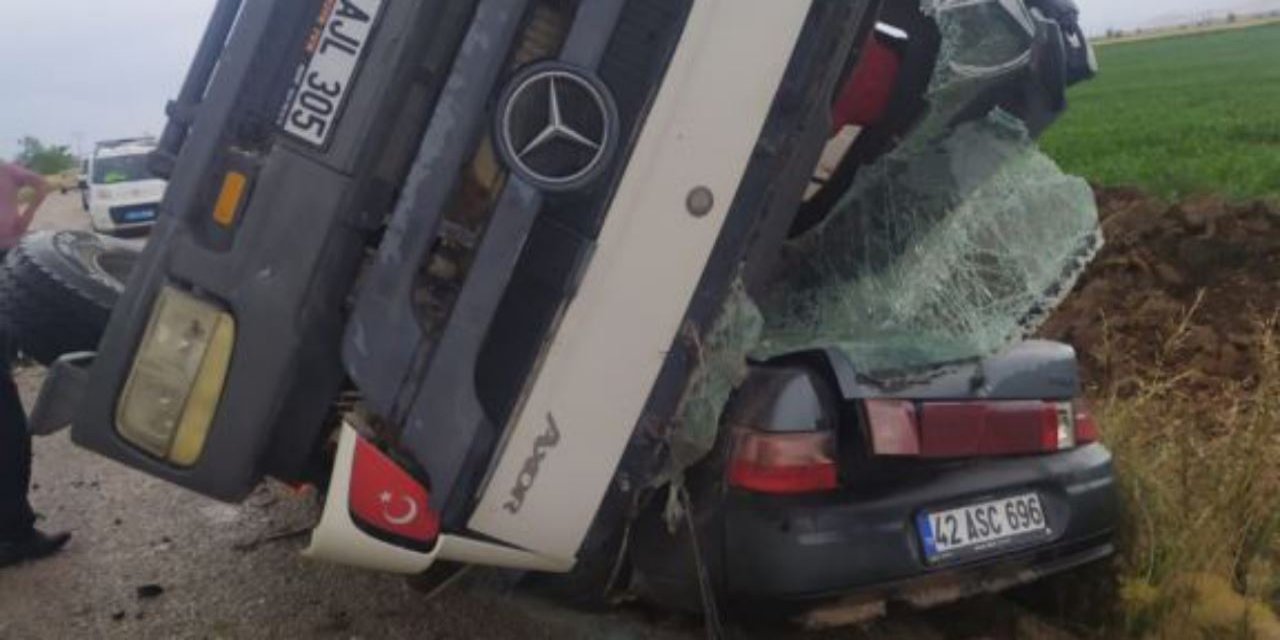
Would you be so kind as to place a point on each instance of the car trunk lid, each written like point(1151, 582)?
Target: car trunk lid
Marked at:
point(1022, 401)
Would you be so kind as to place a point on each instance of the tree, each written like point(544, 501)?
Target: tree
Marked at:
point(42, 158)
point(1231, 18)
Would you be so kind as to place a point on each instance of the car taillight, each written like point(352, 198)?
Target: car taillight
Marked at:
point(894, 427)
point(1059, 426)
point(783, 463)
point(977, 428)
point(1086, 425)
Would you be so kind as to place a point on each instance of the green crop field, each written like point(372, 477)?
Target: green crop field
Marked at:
point(1180, 116)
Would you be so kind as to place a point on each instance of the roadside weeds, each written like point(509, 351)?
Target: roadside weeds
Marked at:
point(1200, 482)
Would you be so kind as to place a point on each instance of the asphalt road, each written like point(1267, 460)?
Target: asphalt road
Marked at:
point(152, 561)
point(149, 560)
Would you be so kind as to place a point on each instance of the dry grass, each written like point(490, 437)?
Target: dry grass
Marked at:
point(1201, 481)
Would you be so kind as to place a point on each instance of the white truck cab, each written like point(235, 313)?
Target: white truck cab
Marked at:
point(120, 194)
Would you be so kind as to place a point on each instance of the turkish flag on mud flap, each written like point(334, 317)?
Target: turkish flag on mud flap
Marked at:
point(387, 498)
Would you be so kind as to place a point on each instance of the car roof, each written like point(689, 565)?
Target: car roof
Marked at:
point(118, 148)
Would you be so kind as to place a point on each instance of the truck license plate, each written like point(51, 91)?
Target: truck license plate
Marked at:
point(334, 50)
point(981, 528)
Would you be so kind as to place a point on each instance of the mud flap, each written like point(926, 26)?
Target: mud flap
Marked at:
point(338, 539)
point(61, 394)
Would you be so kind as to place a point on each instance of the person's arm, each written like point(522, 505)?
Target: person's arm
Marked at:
point(40, 188)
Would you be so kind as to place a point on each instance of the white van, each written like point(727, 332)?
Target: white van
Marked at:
point(120, 194)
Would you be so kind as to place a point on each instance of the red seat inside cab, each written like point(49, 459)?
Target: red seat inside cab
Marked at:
point(865, 97)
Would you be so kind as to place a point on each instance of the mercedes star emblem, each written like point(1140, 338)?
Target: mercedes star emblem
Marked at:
point(556, 126)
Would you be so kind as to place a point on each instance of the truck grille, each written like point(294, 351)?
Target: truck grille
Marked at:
point(632, 67)
point(477, 262)
point(447, 265)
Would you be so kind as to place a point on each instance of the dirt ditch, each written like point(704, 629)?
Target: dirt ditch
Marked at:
point(1184, 288)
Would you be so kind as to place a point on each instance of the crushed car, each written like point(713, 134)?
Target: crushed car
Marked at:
point(714, 302)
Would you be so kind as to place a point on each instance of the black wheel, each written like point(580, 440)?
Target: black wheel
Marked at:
point(57, 290)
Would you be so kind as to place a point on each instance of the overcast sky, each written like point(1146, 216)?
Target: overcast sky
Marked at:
point(90, 70)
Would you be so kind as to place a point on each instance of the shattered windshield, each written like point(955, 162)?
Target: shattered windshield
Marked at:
point(954, 245)
point(981, 39)
point(940, 252)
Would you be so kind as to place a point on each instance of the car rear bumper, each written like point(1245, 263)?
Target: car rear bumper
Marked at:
point(936, 589)
point(806, 548)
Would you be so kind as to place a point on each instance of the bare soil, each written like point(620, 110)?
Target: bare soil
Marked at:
point(1184, 288)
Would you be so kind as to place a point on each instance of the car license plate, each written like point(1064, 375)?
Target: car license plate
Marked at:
point(981, 528)
point(334, 51)
point(140, 215)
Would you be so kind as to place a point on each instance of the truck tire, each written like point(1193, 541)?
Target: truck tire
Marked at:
point(57, 290)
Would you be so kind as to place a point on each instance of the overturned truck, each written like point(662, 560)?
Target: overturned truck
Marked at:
point(714, 301)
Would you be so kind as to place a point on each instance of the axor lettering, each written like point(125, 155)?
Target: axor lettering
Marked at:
point(542, 445)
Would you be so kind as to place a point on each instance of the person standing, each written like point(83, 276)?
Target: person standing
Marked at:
point(19, 539)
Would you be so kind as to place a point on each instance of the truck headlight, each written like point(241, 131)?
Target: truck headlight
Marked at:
point(173, 391)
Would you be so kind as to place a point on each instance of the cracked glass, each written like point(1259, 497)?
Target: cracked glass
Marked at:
point(951, 247)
